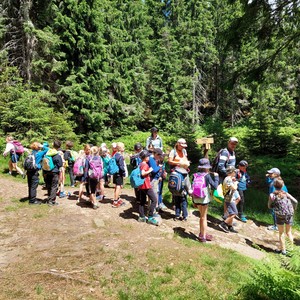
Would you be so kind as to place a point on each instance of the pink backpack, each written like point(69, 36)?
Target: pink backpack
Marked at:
point(18, 147)
point(199, 185)
point(78, 168)
point(96, 167)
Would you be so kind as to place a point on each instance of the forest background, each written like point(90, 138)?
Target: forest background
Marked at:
point(93, 71)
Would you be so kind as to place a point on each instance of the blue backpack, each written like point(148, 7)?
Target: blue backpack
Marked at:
point(112, 167)
point(47, 163)
point(136, 179)
point(175, 183)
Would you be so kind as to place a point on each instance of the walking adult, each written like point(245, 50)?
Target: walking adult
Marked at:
point(154, 140)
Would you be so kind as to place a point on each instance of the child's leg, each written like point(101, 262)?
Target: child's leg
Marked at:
point(281, 237)
point(142, 203)
point(203, 219)
point(81, 187)
point(153, 201)
point(288, 230)
point(229, 220)
point(184, 207)
point(177, 205)
point(241, 203)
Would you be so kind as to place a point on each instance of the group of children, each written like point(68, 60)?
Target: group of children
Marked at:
point(92, 167)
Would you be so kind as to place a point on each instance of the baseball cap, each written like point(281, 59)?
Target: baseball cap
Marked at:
point(233, 139)
point(182, 142)
point(243, 163)
point(153, 129)
point(137, 146)
point(274, 171)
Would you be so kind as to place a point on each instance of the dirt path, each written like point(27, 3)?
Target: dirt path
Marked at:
point(16, 225)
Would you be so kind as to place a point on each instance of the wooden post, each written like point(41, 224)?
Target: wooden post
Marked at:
point(205, 142)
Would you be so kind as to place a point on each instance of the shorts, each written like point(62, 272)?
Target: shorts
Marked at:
point(80, 178)
point(231, 208)
point(201, 201)
point(117, 179)
point(14, 157)
point(286, 219)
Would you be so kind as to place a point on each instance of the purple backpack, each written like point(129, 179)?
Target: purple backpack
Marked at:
point(199, 185)
point(96, 168)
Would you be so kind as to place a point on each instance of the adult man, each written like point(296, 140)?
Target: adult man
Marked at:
point(226, 158)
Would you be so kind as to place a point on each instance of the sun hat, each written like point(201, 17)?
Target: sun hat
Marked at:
point(182, 142)
point(204, 163)
point(274, 171)
point(233, 139)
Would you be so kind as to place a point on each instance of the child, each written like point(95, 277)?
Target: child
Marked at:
point(33, 175)
point(80, 161)
point(70, 161)
point(146, 190)
point(52, 177)
point(62, 175)
point(105, 159)
point(180, 202)
point(283, 205)
point(93, 173)
point(118, 177)
point(202, 202)
point(270, 176)
point(135, 161)
point(243, 180)
point(231, 196)
point(14, 156)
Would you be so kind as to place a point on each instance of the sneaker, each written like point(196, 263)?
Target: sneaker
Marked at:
point(36, 202)
point(224, 227)
point(95, 206)
point(177, 219)
point(99, 198)
point(272, 227)
point(184, 219)
point(161, 206)
point(278, 251)
point(52, 203)
point(62, 195)
point(231, 229)
point(202, 239)
point(142, 219)
point(152, 221)
point(156, 215)
point(118, 203)
point(244, 219)
point(209, 237)
point(23, 175)
point(73, 185)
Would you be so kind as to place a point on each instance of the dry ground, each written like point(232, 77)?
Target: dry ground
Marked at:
point(53, 250)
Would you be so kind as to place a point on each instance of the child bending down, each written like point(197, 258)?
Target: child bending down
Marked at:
point(284, 205)
point(231, 198)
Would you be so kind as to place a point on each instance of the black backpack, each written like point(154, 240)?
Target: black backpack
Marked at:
point(215, 162)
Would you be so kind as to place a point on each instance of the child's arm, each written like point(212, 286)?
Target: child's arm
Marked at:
point(293, 200)
point(271, 201)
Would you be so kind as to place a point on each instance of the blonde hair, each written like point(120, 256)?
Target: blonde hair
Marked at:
point(35, 146)
point(94, 150)
point(81, 153)
point(120, 146)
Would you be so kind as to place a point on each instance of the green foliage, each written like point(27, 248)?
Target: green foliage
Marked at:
point(272, 280)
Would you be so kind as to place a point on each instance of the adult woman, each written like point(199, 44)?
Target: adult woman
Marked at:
point(154, 140)
point(178, 155)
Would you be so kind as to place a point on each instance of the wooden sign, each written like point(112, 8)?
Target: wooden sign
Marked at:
point(206, 142)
